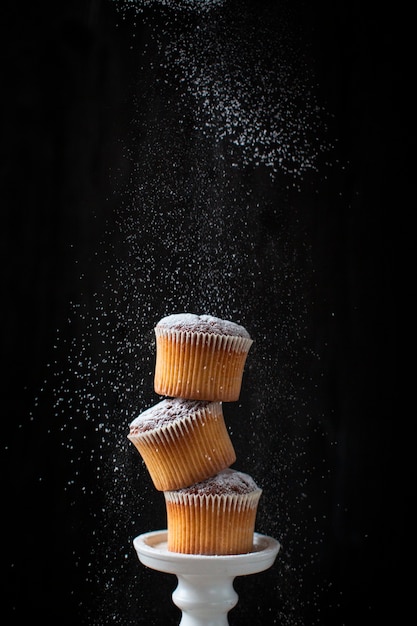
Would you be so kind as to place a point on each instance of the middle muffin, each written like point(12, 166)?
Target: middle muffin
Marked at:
point(182, 442)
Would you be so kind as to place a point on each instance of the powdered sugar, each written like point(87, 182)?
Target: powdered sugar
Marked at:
point(198, 6)
point(226, 482)
point(166, 411)
point(203, 324)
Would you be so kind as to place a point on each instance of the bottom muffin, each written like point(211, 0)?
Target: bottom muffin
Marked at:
point(215, 516)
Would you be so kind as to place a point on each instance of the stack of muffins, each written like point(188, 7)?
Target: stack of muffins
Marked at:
point(184, 442)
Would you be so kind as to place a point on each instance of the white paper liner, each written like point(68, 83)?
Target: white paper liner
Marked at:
point(225, 342)
point(211, 523)
point(220, 502)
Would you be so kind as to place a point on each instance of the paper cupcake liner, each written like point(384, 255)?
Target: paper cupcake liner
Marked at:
point(211, 524)
point(187, 450)
point(199, 366)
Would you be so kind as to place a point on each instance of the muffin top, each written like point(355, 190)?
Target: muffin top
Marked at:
point(203, 324)
point(164, 412)
point(226, 482)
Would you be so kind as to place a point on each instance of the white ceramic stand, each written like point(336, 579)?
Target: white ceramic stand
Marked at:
point(205, 592)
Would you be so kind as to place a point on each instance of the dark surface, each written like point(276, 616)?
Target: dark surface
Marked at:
point(66, 78)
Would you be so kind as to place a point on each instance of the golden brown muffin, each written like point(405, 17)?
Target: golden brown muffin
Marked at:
point(200, 357)
point(182, 441)
point(216, 516)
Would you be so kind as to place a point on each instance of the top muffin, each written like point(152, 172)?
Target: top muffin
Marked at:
point(200, 357)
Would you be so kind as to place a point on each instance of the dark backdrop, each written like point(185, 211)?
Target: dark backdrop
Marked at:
point(77, 363)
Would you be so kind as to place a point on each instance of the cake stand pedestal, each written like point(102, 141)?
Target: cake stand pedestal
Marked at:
point(205, 592)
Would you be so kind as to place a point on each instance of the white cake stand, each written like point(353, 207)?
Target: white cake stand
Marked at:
point(205, 592)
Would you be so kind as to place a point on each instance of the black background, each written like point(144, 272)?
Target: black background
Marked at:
point(66, 75)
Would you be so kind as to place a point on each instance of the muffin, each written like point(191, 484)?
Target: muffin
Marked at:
point(200, 357)
point(182, 441)
point(214, 517)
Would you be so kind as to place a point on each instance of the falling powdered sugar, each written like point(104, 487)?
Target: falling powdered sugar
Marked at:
point(246, 77)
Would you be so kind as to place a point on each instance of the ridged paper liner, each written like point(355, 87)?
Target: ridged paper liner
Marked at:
point(199, 366)
point(186, 450)
point(211, 524)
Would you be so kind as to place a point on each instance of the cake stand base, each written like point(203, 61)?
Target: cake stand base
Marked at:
point(205, 592)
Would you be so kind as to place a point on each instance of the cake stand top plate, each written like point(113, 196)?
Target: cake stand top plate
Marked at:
point(152, 551)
